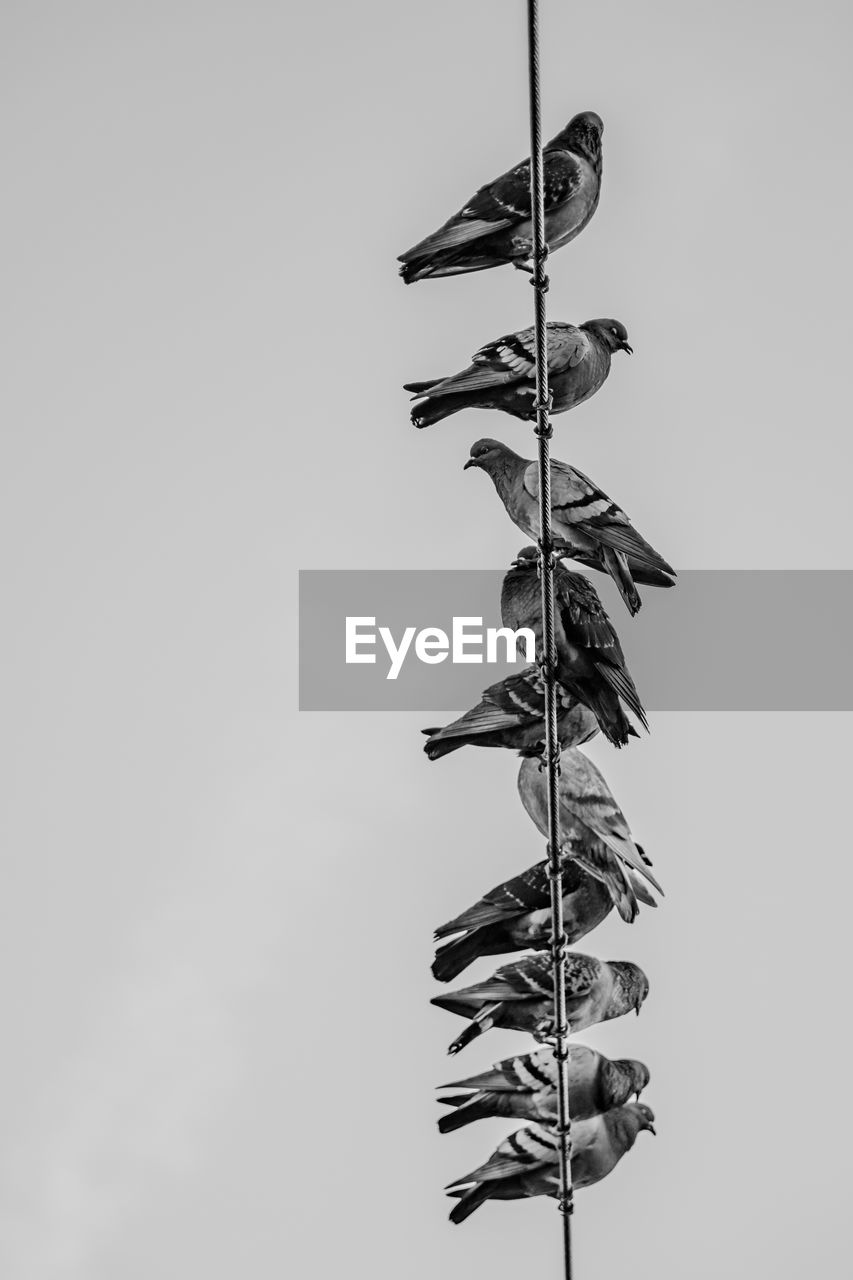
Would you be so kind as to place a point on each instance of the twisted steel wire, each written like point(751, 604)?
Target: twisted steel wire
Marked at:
point(544, 431)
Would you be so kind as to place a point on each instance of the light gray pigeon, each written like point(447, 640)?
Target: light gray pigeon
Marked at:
point(502, 375)
point(591, 528)
point(520, 996)
point(586, 803)
point(525, 1087)
point(527, 1162)
point(591, 664)
point(495, 228)
point(512, 714)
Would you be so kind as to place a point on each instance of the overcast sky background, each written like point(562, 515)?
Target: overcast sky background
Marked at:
point(216, 912)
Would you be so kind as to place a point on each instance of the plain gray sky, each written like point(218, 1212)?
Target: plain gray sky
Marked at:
point(216, 913)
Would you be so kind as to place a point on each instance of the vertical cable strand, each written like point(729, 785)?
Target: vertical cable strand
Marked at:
point(543, 432)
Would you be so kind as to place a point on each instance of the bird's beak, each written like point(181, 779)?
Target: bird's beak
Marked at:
point(653, 1131)
point(472, 462)
point(626, 346)
point(637, 1011)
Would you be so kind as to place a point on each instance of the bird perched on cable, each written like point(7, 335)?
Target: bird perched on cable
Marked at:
point(588, 525)
point(495, 227)
point(592, 826)
point(511, 714)
point(520, 996)
point(527, 1162)
point(590, 661)
point(516, 915)
point(502, 375)
point(525, 1087)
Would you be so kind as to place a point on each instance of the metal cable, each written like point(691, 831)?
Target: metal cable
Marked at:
point(544, 431)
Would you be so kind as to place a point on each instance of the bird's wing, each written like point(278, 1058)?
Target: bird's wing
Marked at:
point(574, 498)
point(510, 358)
point(585, 621)
point(527, 979)
point(621, 536)
point(514, 897)
point(520, 696)
point(507, 200)
point(525, 1073)
point(513, 356)
point(486, 717)
point(582, 614)
point(621, 683)
point(526, 1149)
point(606, 521)
point(586, 796)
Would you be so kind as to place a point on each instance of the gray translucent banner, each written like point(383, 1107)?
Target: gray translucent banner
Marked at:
point(721, 640)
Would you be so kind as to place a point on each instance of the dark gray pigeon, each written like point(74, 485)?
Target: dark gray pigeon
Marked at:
point(516, 916)
point(511, 714)
point(495, 228)
point(591, 664)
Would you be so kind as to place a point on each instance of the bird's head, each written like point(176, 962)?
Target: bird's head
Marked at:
point(634, 984)
point(489, 455)
point(583, 134)
point(645, 1117)
point(612, 333)
point(527, 559)
point(637, 1072)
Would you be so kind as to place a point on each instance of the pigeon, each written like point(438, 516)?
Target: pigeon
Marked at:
point(585, 522)
point(525, 1088)
point(591, 664)
point(527, 1162)
point(495, 227)
point(502, 374)
point(520, 996)
point(517, 914)
point(511, 714)
point(587, 806)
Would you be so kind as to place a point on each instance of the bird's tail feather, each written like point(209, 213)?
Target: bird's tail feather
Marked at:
point(621, 683)
point(614, 723)
point(649, 577)
point(436, 746)
point(641, 891)
point(476, 1027)
point(478, 1107)
point(617, 567)
point(454, 957)
point(469, 1201)
point(435, 409)
point(420, 388)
